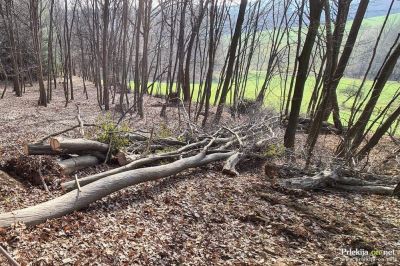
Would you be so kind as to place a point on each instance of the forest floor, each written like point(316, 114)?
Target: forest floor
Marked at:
point(198, 217)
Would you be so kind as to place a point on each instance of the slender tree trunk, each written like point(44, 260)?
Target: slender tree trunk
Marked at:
point(301, 77)
point(106, 93)
point(34, 9)
point(231, 60)
point(373, 141)
point(9, 22)
point(50, 54)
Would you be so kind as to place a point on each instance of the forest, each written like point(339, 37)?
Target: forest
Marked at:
point(199, 132)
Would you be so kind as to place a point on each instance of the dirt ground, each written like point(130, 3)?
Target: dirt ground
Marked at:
point(198, 217)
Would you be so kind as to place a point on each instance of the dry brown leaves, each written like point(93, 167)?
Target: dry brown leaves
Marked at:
point(199, 217)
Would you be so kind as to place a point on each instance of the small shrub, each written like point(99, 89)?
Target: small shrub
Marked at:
point(274, 150)
point(164, 131)
point(109, 132)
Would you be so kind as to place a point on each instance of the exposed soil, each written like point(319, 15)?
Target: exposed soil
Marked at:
point(199, 217)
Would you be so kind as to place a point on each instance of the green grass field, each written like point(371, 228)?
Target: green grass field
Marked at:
point(274, 97)
point(375, 22)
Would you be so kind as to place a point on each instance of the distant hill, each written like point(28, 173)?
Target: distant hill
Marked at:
point(378, 20)
point(376, 8)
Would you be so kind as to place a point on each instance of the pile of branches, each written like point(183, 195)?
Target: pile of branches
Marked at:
point(147, 158)
point(336, 178)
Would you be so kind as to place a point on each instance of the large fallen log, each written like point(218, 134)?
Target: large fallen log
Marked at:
point(39, 149)
point(73, 164)
point(330, 179)
point(70, 185)
point(135, 164)
point(76, 200)
point(77, 146)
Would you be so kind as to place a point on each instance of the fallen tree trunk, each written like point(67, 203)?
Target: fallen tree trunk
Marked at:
point(135, 164)
point(330, 179)
point(230, 164)
point(379, 190)
point(70, 185)
point(76, 200)
point(47, 149)
point(71, 165)
point(39, 149)
point(77, 146)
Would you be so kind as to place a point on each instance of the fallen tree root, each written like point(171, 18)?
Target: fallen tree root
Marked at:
point(76, 200)
point(330, 179)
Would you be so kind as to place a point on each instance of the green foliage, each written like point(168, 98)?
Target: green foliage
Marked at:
point(164, 131)
point(274, 150)
point(108, 132)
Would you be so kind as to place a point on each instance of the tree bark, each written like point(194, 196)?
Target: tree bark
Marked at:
point(304, 61)
point(106, 10)
point(231, 60)
point(73, 146)
point(373, 141)
point(39, 149)
point(35, 27)
point(71, 165)
point(330, 179)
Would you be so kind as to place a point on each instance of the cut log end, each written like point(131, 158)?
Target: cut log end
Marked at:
point(230, 165)
point(55, 144)
point(25, 149)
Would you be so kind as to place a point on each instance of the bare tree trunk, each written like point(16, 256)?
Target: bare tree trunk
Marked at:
point(231, 61)
point(8, 16)
point(356, 132)
point(382, 129)
point(106, 93)
point(50, 54)
point(35, 27)
point(344, 59)
point(301, 77)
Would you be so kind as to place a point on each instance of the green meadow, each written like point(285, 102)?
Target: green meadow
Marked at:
point(376, 22)
point(275, 93)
